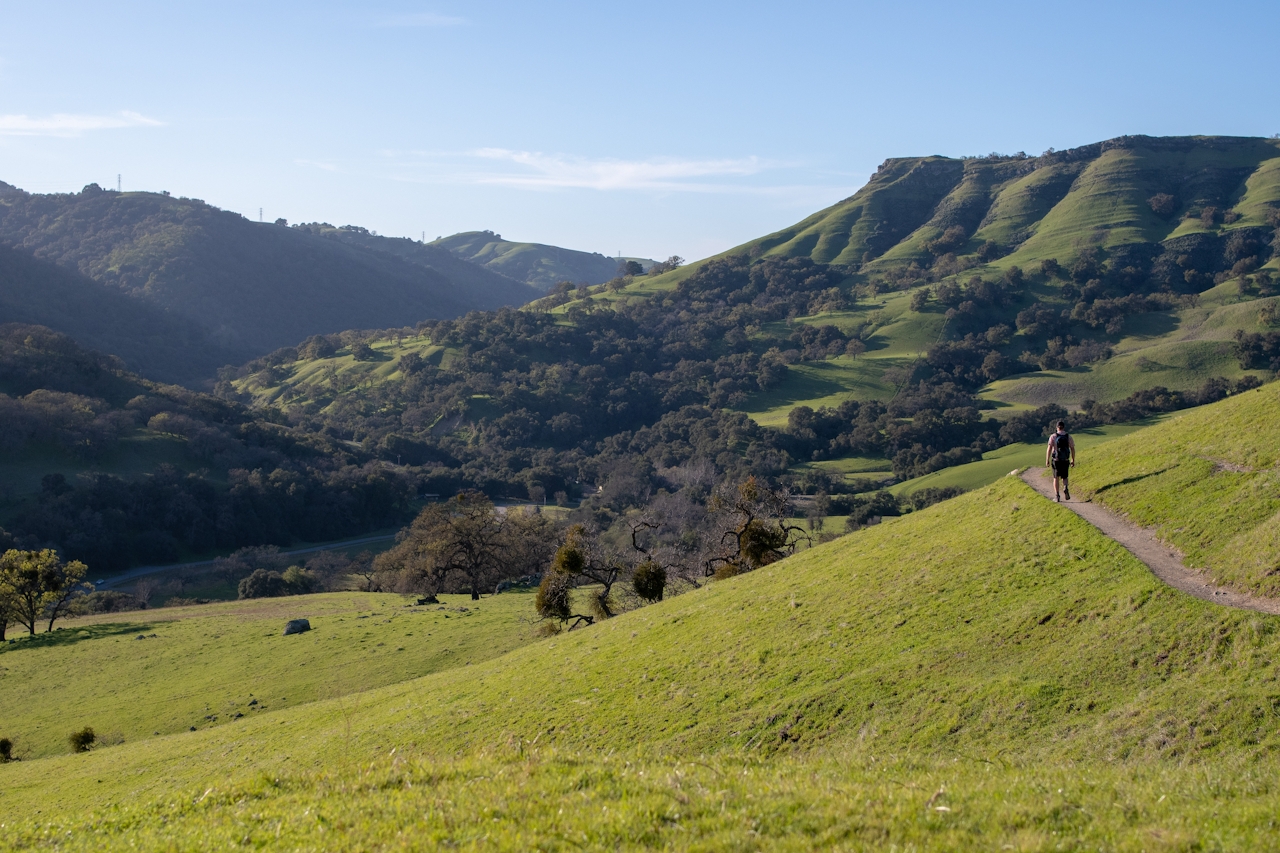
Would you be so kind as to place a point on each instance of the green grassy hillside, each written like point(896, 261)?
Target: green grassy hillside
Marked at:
point(1048, 206)
point(201, 666)
point(536, 264)
point(1208, 483)
point(990, 671)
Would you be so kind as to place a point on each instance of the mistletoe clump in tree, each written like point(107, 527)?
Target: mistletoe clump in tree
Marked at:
point(754, 530)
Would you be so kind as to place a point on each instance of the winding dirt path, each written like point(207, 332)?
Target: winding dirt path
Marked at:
point(1163, 562)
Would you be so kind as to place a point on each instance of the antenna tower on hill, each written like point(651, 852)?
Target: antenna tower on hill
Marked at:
point(259, 214)
point(118, 182)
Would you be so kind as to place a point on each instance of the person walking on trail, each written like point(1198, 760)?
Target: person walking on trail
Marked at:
point(1061, 455)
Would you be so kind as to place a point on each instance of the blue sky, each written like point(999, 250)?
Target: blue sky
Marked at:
point(651, 128)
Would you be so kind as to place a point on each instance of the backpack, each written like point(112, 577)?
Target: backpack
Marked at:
point(1061, 447)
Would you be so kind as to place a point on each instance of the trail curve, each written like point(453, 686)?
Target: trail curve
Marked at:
point(1164, 562)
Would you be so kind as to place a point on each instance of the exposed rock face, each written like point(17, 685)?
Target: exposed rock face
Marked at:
point(296, 626)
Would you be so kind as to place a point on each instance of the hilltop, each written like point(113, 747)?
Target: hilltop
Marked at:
point(250, 287)
point(991, 670)
point(1127, 197)
point(538, 265)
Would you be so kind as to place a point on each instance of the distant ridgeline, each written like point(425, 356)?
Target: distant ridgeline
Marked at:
point(232, 288)
point(936, 280)
point(538, 265)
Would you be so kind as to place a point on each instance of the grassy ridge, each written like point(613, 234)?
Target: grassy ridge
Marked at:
point(1207, 481)
point(992, 643)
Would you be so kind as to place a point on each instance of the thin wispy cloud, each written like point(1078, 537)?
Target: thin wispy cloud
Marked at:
point(420, 19)
point(549, 171)
point(532, 171)
point(71, 124)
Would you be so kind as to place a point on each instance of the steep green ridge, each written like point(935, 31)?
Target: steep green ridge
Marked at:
point(1034, 208)
point(1208, 483)
point(252, 287)
point(150, 340)
point(987, 648)
point(536, 264)
point(201, 666)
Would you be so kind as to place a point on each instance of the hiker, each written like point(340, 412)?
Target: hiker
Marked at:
point(1061, 454)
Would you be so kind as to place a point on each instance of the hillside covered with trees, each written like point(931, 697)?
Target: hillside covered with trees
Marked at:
point(215, 475)
point(250, 287)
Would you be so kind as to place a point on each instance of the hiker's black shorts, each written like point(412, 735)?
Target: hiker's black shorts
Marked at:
point(1062, 468)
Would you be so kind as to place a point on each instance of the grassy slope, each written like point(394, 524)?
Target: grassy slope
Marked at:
point(212, 659)
point(994, 644)
point(1179, 350)
point(996, 463)
point(1208, 482)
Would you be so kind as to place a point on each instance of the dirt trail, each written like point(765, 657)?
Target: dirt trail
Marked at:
point(1163, 562)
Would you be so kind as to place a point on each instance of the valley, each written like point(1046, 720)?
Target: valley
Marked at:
point(731, 554)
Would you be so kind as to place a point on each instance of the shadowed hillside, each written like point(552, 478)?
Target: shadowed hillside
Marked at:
point(150, 340)
point(253, 287)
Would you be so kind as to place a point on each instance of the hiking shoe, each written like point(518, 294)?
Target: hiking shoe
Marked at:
point(1057, 498)
point(1067, 493)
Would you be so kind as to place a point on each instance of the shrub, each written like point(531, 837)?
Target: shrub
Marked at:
point(262, 584)
point(927, 497)
point(6, 750)
point(554, 598)
point(650, 580)
point(1163, 205)
point(83, 740)
point(951, 239)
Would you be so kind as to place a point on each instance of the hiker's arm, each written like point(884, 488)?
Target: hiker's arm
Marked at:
point(1048, 453)
point(1072, 442)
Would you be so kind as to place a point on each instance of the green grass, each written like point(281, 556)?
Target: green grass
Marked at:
point(1207, 482)
point(210, 660)
point(819, 383)
point(994, 646)
point(997, 463)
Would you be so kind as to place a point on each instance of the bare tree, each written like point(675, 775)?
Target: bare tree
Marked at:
point(753, 527)
point(143, 590)
point(462, 535)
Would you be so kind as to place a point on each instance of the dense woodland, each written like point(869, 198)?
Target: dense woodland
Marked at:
point(243, 480)
point(616, 398)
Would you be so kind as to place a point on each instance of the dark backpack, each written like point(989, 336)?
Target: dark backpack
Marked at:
point(1061, 447)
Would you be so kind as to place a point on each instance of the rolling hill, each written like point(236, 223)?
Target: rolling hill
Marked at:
point(536, 264)
point(989, 672)
point(252, 287)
